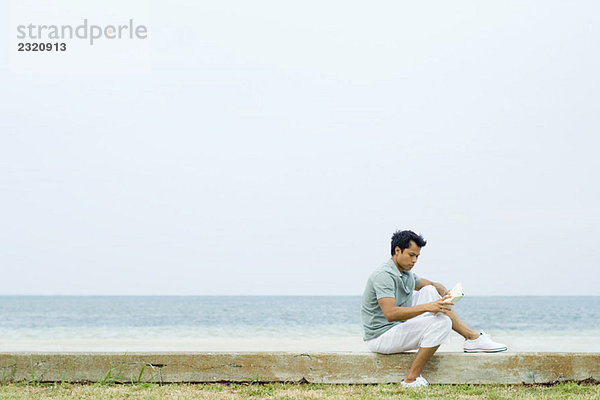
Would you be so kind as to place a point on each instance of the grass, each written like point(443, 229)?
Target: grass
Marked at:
point(281, 391)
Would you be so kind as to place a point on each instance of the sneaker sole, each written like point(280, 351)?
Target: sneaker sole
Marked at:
point(498, 350)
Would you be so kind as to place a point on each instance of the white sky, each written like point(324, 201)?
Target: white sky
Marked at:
point(273, 147)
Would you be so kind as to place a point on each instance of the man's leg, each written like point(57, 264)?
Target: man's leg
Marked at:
point(435, 334)
point(428, 294)
point(475, 342)
point(424, 334)
point(423, 355)
point(461, 328)
point(424, 331)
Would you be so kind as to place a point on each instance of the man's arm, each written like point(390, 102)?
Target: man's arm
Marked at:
point(394, 313)
point(439, 287)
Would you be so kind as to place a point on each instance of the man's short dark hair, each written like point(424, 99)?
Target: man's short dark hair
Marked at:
point(402, 239)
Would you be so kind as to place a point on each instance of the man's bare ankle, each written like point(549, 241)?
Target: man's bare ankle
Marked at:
point(409, 380)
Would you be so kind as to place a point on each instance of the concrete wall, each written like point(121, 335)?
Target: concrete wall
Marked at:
point(296, 367)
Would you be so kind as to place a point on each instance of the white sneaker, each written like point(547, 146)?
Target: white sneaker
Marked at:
point(483, 344)
point(419, 382)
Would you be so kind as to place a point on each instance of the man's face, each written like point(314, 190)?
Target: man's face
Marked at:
point(406, 260)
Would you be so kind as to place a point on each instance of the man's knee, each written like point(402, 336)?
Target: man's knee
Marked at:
point(441, 323)
point(430, 289)
point(444, 322)
point(438, 331)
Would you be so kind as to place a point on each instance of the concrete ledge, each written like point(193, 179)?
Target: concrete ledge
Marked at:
point(296, 367)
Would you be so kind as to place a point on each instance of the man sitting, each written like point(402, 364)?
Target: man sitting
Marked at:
point(402, 312)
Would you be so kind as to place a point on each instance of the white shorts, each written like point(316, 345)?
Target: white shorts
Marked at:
point(425, 330)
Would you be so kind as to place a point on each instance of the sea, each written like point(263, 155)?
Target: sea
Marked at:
point(30, 319)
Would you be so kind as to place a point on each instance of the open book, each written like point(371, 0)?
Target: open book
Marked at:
point(456, 293)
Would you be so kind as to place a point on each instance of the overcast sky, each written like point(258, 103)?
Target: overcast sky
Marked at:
point(273, 147)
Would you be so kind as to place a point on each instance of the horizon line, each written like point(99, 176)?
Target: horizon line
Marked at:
point(274, 295)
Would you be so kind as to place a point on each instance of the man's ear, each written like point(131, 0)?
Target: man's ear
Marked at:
point(396, 250)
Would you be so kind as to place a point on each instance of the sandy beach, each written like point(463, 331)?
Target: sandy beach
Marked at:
point(558, 343)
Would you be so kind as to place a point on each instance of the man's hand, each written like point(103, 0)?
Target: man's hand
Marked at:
point(439, 305)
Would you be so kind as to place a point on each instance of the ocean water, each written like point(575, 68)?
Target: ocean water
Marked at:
point(196, 317)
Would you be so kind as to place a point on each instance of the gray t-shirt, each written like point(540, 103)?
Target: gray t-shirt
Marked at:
point(385, 281)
